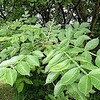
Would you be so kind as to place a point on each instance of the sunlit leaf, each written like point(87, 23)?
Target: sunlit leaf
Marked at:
point(11, 76)
point(70, 76)
point(95, 78)
point(58, 89)
point(51, 77)
point(85, 85)
point(11, 61)
point(23, 68)
point(32, 60)
point(92, 44)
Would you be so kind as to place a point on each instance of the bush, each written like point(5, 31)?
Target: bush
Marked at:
point(66, 55)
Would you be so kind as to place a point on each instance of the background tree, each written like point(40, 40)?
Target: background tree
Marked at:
point(61, 11)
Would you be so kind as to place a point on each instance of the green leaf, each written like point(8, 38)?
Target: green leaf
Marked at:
point(51, 77)
point(85, 85)
point(88, 66)
point(58, 89)
point(74, 51)
point(33, 68)
point(20, 86)
point(81, 59)
point(23, 38)
point(14, 51)
point(32, 60)
point(28, 81)
point(61, 35)
point(11, 76)
point(97, 61)
point(78, 33)
point(76, 24)
point(49, 56)
point(95, 78)
point(55, 58)
point(70, 76)
point(51, 97)
point(98, 52)
point(87, 55)
point(23, 68)
point(85, 30)
point(74, 92)
point(84, 25)
point(38, 53)
point(79, 41)
point(92, 44)
point(11, 61)
point(69, 31)
point(62, 43)
point(47, 68)
point(60, 66)
point(2, 71)
point(2, 39)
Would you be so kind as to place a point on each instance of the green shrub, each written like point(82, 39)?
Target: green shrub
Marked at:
point(65, 54)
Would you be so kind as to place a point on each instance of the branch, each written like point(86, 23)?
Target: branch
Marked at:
point(95, 15)
point(63, 13)
point(77, 4)
point(73, 8)
point(3, 16)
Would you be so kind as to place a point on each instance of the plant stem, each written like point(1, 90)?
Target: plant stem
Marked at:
point(93, 54)
point(75, 63)
point(72, 60)
point(87, 51)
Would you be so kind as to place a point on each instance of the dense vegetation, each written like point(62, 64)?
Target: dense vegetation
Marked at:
point(49, 49)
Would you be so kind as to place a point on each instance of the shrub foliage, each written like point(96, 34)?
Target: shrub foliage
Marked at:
point(66, 55)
